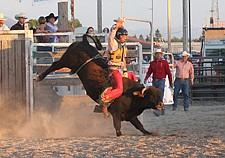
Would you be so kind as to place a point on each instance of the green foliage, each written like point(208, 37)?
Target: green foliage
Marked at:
point(141, 37)
point(158, 36)
point(33, 23)
point(135, 36)
point(147, 39)
point(76, 23)
point(176, 39)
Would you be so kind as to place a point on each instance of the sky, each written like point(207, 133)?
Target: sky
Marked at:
point(85, 11)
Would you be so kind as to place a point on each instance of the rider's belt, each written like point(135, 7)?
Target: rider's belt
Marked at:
point(182, 78)
point(158, 79)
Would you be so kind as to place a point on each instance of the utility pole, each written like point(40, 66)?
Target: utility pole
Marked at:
point(189, 26)
point(121, 9)
point(152, 38)
point(169, 25)
point(72, 15)
point(99, 15)
point(185, 26)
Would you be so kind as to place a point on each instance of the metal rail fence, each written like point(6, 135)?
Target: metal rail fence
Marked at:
point(209, 80)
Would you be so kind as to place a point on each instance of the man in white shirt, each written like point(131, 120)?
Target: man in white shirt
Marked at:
point(2, 22)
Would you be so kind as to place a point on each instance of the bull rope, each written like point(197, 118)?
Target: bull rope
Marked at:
point(97, 56)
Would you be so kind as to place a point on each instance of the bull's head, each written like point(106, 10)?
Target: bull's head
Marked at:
point(151, 96)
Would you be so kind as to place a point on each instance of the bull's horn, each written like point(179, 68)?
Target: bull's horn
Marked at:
point(144, 89)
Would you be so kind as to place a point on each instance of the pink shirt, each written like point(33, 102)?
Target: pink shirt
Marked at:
point(184, 69)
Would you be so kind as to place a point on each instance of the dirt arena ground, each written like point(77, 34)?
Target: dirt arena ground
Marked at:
point(75, 131)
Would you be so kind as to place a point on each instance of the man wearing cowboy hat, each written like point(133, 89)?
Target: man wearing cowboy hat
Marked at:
point(159, 68)
point(2, 22)
point(21, 17)
point(184, 76)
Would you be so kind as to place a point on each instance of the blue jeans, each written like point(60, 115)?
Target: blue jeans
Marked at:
point(183, 85)
point(160, 84)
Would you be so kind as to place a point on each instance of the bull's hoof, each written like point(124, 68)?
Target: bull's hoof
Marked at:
point(118, 133)
point(39, 78)
point(151, 134)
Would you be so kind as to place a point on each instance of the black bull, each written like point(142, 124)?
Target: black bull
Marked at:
point(85, 60)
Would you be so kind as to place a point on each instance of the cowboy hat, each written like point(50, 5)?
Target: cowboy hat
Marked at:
point(158, 51)
point(2, 16)
point(185, 54)
point(51, 15)
point(21, 15)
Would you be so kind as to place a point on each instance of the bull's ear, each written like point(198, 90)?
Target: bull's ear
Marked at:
point(136, 93)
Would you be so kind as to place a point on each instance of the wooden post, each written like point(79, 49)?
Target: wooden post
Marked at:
point(63, 15)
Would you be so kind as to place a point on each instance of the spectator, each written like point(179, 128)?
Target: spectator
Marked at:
point(43, 39)
point(184, 75)
point(21, 17)
point(105, 30)
point(90, 31)
point(2, 22)
point(51, 19)
point(159, 68)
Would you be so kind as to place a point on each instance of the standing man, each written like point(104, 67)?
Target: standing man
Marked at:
point(159, 68)
point(117, 63)
point(2, 22)
point(21, 17)
point(184, 76)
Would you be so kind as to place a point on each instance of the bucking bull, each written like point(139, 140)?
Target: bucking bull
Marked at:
point(91, 67)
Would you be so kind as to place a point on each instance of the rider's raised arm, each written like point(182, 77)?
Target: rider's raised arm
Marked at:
point(112, 44)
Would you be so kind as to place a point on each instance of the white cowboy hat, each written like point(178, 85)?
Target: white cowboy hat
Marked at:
point(158, 51)
point(21, 15)
point(185, 54)
point(2, 16)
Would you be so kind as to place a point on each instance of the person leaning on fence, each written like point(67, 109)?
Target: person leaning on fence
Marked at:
point(51, 19)
point(184, 77)
point(43, 39)
point(159, 68)
point(2, 22)
point(21, 17)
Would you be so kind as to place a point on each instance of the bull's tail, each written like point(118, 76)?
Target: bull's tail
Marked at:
point(95, 40)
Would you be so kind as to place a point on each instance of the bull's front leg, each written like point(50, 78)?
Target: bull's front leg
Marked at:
point(137, 124)
point(117, 125)
point(55, 66)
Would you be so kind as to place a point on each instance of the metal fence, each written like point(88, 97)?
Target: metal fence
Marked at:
point(209, 78)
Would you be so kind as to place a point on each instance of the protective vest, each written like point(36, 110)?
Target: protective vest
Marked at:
point(117, 56)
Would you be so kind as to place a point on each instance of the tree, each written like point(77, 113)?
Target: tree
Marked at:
point(76, 23)
point(141, 37)
point(147, 39)
point(135, 36)
point(158, 36)
point(33, 23)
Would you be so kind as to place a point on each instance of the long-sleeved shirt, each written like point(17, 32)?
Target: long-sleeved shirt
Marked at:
point(184, 69)
point(17, 26)
point(4, 27)
point(113, 46)
point(159, 69)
